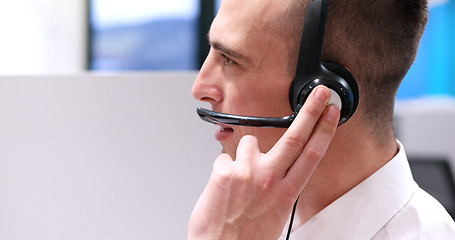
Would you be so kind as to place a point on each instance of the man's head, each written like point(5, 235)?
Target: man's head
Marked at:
point(254, 52)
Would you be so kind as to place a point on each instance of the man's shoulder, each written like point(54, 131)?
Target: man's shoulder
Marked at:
point(423, 217)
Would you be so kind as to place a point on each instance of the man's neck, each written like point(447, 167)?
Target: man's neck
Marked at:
point(353, 156)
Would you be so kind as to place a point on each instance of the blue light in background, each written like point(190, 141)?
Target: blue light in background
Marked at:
point(433, 71)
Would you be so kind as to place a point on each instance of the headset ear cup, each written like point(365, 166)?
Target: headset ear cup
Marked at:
point(344, 73)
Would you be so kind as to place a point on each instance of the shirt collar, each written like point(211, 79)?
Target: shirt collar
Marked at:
point(365, 209)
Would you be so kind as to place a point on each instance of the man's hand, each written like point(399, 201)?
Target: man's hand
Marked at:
point(252, 197)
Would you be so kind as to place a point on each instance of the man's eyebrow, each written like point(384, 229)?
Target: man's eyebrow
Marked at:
point(229, 51)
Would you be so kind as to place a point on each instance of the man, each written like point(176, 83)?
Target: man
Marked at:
point(353, 181)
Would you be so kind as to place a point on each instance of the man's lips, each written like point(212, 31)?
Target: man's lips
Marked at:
point(223, 132)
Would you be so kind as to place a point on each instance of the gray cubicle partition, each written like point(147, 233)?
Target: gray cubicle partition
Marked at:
point(108, 156)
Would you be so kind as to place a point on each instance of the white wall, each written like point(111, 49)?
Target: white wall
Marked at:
point(42, 36)
point(426, 127)
point(120, 156)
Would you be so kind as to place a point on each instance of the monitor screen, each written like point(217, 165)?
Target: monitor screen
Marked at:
point(435, 177)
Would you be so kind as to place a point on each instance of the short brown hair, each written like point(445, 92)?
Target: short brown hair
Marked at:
point(377, 40)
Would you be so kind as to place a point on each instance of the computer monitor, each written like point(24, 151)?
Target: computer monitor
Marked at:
point(434, 175)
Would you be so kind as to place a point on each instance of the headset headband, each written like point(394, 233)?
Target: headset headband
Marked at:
point(309, 64)
point(312, 38)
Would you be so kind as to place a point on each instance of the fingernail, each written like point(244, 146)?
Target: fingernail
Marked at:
point(332, 113)
point(321, 95)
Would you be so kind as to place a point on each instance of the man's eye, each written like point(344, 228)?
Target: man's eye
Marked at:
point(227, 60)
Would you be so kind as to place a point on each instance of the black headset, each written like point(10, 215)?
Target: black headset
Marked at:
point(311, 72)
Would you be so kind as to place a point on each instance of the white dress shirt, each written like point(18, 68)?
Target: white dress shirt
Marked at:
point(387, 205)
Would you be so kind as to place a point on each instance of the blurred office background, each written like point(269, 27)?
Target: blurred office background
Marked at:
point(88, 147)
point(49, 36)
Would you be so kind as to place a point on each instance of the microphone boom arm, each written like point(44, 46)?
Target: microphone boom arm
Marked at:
point(231, 119)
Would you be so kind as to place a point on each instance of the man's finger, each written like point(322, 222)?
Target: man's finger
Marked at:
point(248, 148)
point(294, 139)
point(314, 149)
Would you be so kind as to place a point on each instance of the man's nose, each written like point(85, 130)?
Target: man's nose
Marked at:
point(208, 86)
